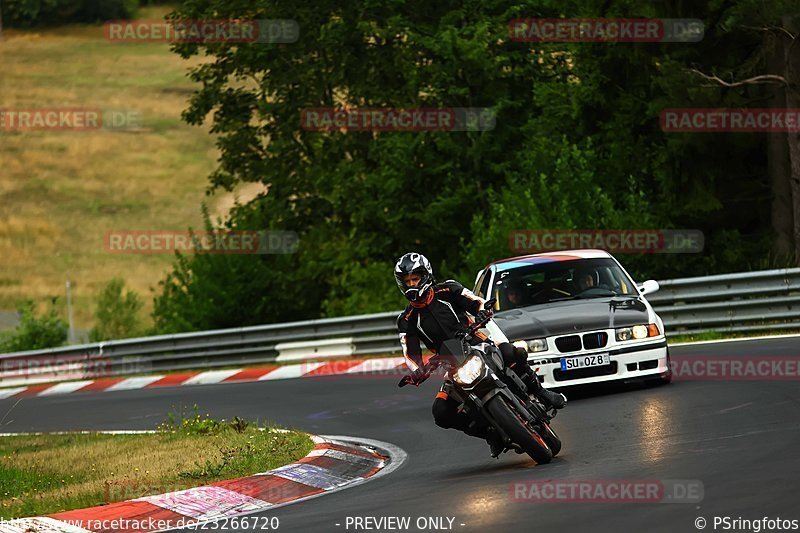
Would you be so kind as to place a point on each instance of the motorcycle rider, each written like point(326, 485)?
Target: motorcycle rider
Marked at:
point(435, 313)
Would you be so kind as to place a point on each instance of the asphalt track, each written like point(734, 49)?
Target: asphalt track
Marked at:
point(739, 438)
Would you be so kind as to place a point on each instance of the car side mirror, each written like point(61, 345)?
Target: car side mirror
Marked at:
point(648, 287)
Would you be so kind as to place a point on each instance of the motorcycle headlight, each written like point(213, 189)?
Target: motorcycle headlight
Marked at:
point(532, 345)
point(469, 371)
point(640, 331)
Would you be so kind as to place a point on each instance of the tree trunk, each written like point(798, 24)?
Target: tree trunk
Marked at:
point(781, 214)
point(792, 58)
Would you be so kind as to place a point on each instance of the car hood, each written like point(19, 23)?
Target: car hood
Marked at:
point(570, 316)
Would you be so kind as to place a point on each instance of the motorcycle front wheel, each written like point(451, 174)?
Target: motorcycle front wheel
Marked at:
point(550, 437)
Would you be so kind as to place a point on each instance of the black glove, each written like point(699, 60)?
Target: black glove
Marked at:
point(483, 314)
point(415, 378)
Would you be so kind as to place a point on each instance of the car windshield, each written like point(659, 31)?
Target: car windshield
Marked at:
point(536, 284)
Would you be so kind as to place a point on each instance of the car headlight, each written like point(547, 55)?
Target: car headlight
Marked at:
point(469, 371)
point(532, 345)
point(639, 331)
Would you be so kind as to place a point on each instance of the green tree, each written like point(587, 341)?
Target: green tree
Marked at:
point(356, 199)
point(577, 143)
point(117, 313)
point(37, 332)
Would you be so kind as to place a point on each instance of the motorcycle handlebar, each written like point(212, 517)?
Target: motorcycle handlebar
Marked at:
point(475, 326)
point(427, 370)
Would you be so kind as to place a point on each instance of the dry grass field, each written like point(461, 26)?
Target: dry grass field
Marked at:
point(62, 191)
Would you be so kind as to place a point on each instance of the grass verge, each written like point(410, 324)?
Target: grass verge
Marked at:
point(48, 473)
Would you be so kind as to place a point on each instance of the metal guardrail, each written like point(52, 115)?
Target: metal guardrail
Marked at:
point(204, 349)
point(752, 301)
point(748, 301)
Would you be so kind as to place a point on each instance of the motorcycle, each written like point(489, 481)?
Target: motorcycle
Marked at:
point(493, 395)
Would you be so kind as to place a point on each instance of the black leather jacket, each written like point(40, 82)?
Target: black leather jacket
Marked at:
point(439, 320)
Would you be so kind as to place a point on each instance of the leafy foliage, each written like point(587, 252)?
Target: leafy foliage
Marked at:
point(36, 332)
point(117, 314)
point(577, 144)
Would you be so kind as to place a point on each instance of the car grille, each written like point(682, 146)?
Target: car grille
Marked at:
point(570, 343)
point(580, 373)
point(592, 341)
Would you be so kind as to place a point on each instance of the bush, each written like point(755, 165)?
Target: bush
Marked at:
point(117, 314)
point(35, 333)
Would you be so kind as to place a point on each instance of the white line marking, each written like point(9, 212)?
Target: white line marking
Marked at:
point(5, 393)
point(84, 432)
point(206, 503)
point(344, 456)
point(721, 411)
point(134, 383)
point(741, 339)
point(397, 458)
point(311, 475)
point(291, 371)
point(65, 388)
point(212, 376)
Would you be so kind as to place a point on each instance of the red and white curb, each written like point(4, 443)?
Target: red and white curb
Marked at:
point(335, 463)
point(387, 365)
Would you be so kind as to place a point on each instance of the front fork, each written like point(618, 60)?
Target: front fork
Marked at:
point(534, 406)
point(473, 405)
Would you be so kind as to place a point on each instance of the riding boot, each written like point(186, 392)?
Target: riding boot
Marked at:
point(551, 400)
point(496, 444)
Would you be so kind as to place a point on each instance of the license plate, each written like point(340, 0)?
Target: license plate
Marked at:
point(584, 361)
